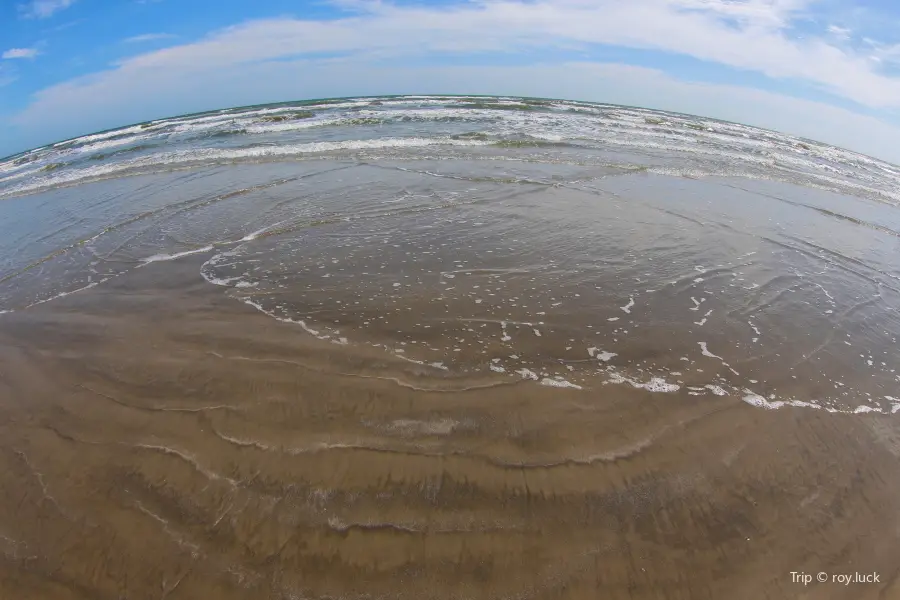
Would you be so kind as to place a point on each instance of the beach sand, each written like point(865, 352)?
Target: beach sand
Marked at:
point(161, 440)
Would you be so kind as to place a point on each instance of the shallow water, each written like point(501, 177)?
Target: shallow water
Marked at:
point(574, 244)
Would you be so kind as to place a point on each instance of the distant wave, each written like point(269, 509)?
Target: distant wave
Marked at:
point(712, 147)
point(208, 155)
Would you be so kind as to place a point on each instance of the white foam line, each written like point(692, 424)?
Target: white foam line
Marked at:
point(896, 404)
point(755, 330)
point(559, 382)
point(601, 355)
point(656, 384)
point(64, 294)
point(188, 157)
point(528, 374)
point(399, 354)
point(830, 297)
point(758, 401)
point(627, 308)
point(111, 143)
point(771, 403)
point(252, 236)
point(100, 136)
point(705, 351)
point(299, 322)
point(176, 256)
point(217, 280)
point(718, 391)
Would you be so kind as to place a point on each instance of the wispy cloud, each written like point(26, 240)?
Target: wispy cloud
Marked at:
point(886, 53)
point(19, 53)
point(775, 14)
point(42, 9)
point(149, 37)
point(64, 26)
point(842, 33)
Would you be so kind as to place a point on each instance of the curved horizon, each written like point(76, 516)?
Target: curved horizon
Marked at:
point(302, 101)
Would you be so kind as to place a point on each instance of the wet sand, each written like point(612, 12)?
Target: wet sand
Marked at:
point(160, 439)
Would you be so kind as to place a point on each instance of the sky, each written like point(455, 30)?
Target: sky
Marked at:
point(827, 70)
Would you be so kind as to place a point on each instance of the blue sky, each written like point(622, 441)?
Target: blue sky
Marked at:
point(824, 69)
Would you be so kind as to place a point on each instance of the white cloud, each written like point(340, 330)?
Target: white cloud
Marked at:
point(751, 35)
point(41, 9)
point(148, 37)
point(19, 53)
